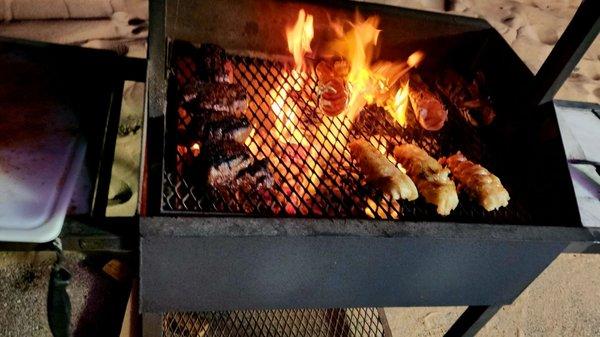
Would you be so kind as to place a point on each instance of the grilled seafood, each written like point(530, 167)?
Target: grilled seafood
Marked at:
point(472, 105)
point(431, 178)
point(428, 108)
point(381, 173)
point(333, 89)
point(479, 183)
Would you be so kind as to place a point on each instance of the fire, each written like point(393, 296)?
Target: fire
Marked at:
point(284, 98)
point(286, 110)
point(284, 101)
point(299, 38)
point(357, 46)
point(415, 59)
point(400, 105)
point(369, 83)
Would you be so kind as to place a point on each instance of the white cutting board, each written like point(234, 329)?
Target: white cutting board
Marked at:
point(41, 154)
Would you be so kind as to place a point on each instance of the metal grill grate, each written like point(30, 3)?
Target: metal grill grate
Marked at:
point(324, 182)
point(359, 322)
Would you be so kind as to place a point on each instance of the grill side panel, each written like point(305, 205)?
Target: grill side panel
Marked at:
point(220, 273)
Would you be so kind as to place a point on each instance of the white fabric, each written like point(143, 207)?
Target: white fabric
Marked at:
point(579, 131)
point(59, 9)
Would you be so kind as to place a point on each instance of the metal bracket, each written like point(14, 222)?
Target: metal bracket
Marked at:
point(471, 321)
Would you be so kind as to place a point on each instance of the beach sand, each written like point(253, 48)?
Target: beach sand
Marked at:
point(562, 301)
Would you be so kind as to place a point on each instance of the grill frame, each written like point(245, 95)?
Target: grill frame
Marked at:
point(486, 248)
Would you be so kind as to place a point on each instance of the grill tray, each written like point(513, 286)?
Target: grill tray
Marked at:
point(357, 322)
point(341, 190)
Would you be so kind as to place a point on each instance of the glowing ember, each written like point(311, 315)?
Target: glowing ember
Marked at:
point(382, 209)
point(299, 37)
point(195, 148)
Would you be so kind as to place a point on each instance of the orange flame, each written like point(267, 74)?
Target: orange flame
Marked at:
point(283, 105)
point(368, 83)
point(400, 105)
point(415, 59)
point(358, 47)
point(299, 38)
point(286, 111)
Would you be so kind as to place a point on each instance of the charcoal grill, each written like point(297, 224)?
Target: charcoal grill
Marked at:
point(340, 191)
point(202, 252)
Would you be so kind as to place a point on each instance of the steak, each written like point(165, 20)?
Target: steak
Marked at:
point(224, 160)
point(216, 96)
point(207, 63)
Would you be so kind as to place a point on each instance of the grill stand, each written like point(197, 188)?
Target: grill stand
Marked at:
point(357, 322)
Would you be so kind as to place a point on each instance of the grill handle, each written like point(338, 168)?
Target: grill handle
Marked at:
point(564, 57)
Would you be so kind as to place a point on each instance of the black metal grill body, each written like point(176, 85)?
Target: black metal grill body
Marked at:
point(205, 256)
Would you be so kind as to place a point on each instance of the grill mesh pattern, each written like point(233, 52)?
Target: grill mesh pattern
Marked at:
point(319, 179)
point(358, 322)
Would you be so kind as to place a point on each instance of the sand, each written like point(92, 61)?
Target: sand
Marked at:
point(96, 299)
point(562, 301)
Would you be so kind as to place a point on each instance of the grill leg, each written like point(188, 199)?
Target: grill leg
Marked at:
point(472, 320)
